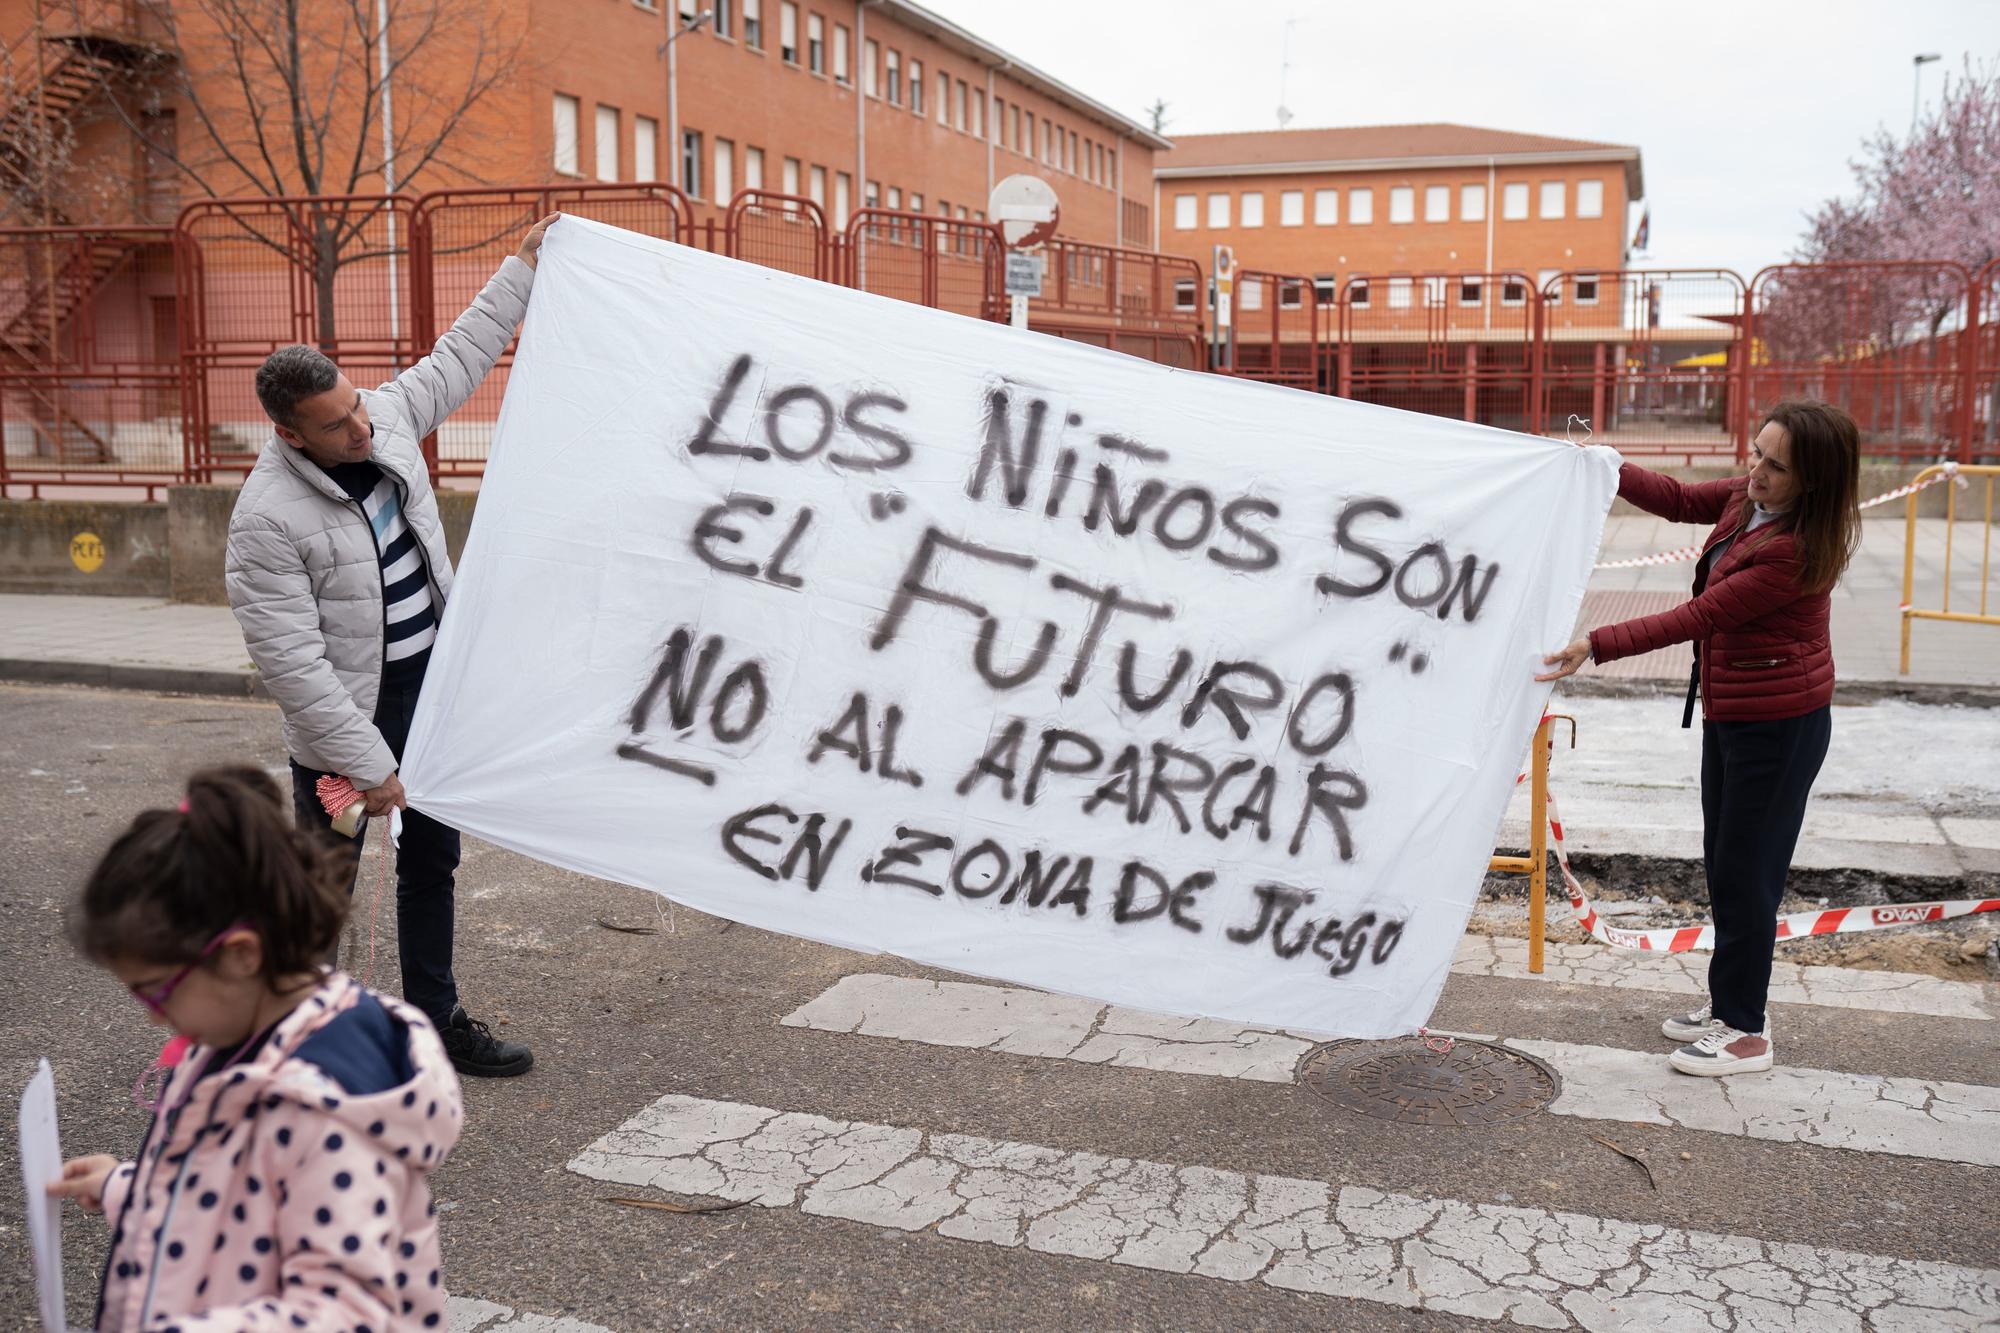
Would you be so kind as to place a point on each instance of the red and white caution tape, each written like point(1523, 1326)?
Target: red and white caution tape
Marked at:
point(1791, 926)
point(1680, 553)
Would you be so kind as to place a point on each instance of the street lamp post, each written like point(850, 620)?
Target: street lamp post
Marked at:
point(676, 31)
point(1917, 64)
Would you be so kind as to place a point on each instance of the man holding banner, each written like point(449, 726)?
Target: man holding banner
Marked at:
point(337, 571)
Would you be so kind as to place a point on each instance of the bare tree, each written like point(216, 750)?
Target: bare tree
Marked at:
point(289, 97)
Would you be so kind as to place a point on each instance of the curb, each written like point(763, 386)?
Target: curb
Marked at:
point(1844, 691)
point(152, 679)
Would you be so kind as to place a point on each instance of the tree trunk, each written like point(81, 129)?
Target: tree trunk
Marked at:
point(326, 264)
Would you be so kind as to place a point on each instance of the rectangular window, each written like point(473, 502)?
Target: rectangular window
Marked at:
point(843, 197)
point(1184, 212)
point(1357, 291)
point(1399, 293)
point(1548, 281)
point(1253, 208)
point(894, 77)
point(1014, 126)
point(691, 162)
point(917, 87)
point(566, 134)
point(816, 186)
point(1586, 288)
point(871, 59)
point(815, 43)
point(1360, 207)
point(871, 195)
point(1471, 291)
point(1326, 208)
point(1434, 289)
point(1291, 208)
point(1402, 208)
point(1326, 290)
point(1552, 199)
point(1472, 203)
point(607, 143)
point(753, 24)
point(1513, 291)
point(791, 177)
point(916, 202)
point(1514, 201)
point(1437, 203)
point(944, 98)
point(896, 196)
point(753, 168)
point(958, 112)
point(721, 8)
point(1291, 294)
point(1250, 295)
point(690, 9)
point(840, 40)
point(1184, 290)
point(645, 148)
point(788, 32)
point(1218, 210)
point(1070, 158)
point(979, 115)
point(725, 170)
point(1590, 199)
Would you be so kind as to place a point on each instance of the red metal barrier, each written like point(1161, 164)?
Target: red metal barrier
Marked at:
point(1890, 341)
point(108, 334)
point(463, 235)
point(1275, 334)
point(935, 261)
point(1652, 359)
point(781, 231)
point(1132, 301)
point(1451, 344)
point(89, 359)
point(258, 274)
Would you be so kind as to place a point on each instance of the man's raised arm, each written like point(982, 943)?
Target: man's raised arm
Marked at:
point(433, 389)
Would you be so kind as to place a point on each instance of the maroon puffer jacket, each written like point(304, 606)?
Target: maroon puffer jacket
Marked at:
point(1763, 643)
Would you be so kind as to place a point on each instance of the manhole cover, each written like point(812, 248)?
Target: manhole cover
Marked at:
point(1417, 1082)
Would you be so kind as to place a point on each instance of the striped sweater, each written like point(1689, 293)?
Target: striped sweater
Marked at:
point(409, 617)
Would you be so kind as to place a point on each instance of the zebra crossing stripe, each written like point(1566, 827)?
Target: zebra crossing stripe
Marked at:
point(1944, 1121)
point(466, 1315)
point(1526, 1266)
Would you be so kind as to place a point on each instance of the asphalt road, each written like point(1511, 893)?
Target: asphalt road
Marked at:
point(618, 1020)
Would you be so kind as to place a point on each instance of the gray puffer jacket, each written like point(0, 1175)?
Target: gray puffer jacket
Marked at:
point(301, 565)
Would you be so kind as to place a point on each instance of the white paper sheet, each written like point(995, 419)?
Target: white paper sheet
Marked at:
point(41, 1162)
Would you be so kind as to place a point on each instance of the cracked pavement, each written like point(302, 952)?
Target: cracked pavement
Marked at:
point(1526, 1266)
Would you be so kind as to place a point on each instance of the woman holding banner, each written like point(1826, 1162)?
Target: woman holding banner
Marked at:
point(1764, 671)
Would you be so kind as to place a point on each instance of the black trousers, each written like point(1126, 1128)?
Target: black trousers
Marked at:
point(1754, 780)
point(426, 860)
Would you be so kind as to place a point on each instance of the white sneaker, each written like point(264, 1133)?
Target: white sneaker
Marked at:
point(1689, 1027)
point(1724, 1050)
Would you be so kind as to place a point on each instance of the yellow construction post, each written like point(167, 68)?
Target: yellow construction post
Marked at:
point(1538, 843)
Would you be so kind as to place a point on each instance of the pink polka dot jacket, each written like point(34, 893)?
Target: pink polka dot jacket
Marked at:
point(268, 1196)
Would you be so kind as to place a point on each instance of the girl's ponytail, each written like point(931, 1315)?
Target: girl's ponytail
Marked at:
point(230, 854)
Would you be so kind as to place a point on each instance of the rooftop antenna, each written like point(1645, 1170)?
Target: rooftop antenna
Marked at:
point(1284, 73)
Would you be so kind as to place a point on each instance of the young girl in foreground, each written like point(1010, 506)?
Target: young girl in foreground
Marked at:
point(281, 1184)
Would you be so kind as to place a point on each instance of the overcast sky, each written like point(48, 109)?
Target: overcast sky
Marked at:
point(1746, 112)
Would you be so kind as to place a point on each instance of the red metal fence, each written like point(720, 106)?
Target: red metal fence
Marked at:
point(127, 354)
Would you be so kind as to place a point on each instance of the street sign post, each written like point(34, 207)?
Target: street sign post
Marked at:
point(1027, 210)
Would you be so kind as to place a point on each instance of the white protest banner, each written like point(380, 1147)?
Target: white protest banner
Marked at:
point(41, 1164)
point(882, 626)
